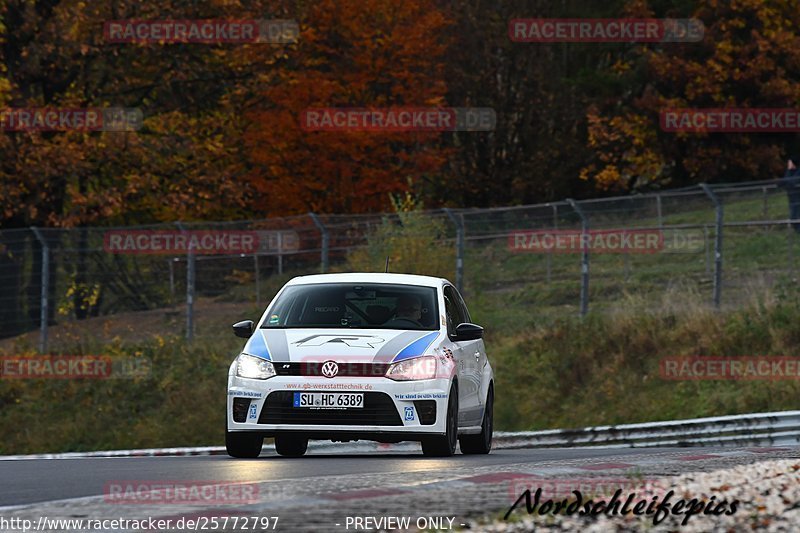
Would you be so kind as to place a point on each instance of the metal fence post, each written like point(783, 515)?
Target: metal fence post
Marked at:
point(461, 251)
point(584, 256)
point(549, 257)
point(171, 266)
point(44, 312)
point(718, 207)
point(280, 252)
point(626, 266)
point(258, 279)
point(658, 209)
point(190, 276)
point(459, 223)
point(626, 257)
point(325, 241)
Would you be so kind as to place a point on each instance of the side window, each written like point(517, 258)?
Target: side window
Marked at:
point(454, 314)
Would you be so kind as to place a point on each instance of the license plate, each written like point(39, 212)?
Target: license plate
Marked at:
point(329, 400)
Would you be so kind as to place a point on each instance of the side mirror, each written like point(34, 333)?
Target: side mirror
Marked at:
point(243, 329)
point(468, 332)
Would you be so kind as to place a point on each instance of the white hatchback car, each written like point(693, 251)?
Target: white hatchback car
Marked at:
point(384, 357)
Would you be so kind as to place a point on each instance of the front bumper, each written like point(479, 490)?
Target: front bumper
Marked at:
point(393, 410)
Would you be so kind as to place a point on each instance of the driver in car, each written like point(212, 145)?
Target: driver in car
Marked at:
point(409, 309)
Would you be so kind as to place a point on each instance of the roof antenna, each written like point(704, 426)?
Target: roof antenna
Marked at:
point(386, 271)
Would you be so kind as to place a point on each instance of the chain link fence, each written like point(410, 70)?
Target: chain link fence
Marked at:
point(553, 259)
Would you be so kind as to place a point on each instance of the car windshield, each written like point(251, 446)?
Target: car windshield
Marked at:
point(347, 305)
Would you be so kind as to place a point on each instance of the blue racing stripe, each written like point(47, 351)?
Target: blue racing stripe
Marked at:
point(417, 347)
point(257, 346)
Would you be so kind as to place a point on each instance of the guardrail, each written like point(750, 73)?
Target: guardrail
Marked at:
point(781, 428)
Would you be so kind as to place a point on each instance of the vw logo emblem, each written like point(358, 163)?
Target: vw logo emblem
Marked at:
point(330, 369)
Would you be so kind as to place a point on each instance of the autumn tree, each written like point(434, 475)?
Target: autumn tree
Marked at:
point(182, 164)
point(365, 54)
point(540, 92)
point(749, 58)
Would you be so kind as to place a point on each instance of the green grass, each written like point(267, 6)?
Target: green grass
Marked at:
point(552, 368)
point(563, 372)
point(605, 369)
point(752, 256)
point(181, 403)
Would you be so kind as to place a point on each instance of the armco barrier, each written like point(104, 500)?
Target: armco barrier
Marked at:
point(781, 428)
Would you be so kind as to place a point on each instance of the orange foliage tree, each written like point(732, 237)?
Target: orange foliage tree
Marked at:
point(184, 162)
point(350, 53)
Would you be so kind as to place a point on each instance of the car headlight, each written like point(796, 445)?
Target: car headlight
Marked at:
point(413, 369)
point(248, 366)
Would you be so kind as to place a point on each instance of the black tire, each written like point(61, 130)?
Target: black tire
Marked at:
point(243, 445)
point(290, 445)
point(482, 442)
point(445, 445)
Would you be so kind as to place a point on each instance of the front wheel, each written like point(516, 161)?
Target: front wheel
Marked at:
point(290, 445)
point(482, 442)
point(445, 445)
point(243, 445)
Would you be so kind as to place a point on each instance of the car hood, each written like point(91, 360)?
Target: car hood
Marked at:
point(351, 345)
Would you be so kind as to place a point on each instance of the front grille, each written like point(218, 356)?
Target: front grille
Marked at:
point(314, 369)
point(378, 410)
point(240, 406)
point(426, 410)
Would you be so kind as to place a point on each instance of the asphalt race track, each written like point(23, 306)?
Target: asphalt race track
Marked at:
point(34, 481)
point(326, 491)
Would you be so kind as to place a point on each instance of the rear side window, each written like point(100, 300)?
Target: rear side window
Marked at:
point(455, 314)
point(462, 306)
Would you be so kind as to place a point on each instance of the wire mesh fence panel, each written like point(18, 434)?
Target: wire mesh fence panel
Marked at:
point(20, 281)
point(525, 263)
point(511, 270)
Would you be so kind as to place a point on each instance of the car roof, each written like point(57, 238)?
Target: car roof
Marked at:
point(369, 277)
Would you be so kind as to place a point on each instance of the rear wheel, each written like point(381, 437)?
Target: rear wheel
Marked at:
point(290, 445)
point(445, 445)
point(482, 442)
point(243, 445)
